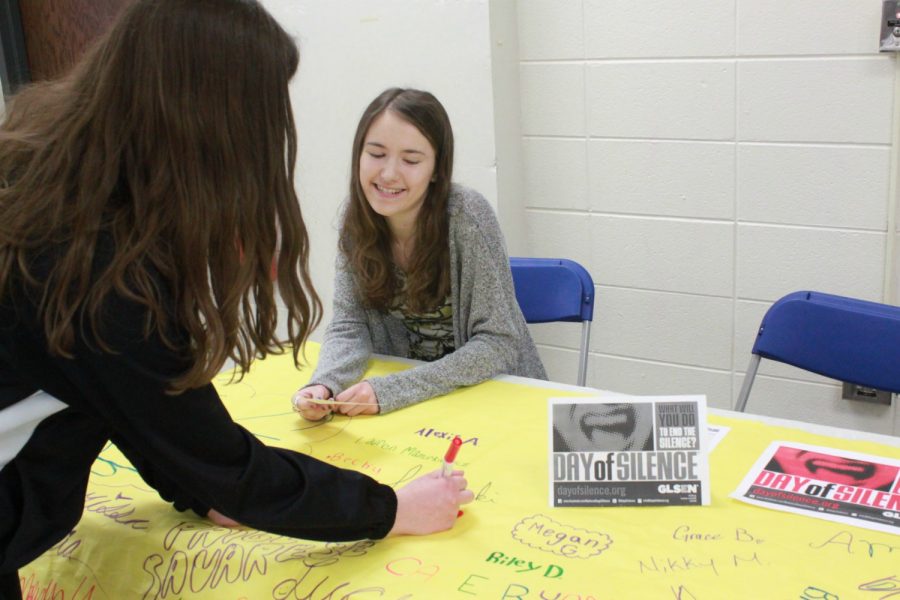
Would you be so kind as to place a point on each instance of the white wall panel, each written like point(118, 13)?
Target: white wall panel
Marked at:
point(552, 99)
point(669, 100)
point(842, 100)
point(774, 261)
point(776, 27)
point(550, 29)
point(832, 186)
point(663, 254)
point(662, 178)
point(683, 329)
point(555, 173)
point(624, 28)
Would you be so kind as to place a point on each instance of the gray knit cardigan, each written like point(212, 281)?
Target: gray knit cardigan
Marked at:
point(488, 328)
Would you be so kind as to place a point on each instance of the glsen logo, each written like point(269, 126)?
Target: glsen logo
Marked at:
point(678, 488)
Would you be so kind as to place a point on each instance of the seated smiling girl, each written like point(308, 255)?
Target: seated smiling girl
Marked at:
point(421, 272)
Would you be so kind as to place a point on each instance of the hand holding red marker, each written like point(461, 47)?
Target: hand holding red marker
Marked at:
point(424, 504)
point(450, 458)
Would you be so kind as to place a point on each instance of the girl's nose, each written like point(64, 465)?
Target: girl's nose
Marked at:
point(389, 170)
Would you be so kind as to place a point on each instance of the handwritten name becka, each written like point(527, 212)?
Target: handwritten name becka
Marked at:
point(625, 466)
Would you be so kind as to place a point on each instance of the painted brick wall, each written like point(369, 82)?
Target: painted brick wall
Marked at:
point(702, 160)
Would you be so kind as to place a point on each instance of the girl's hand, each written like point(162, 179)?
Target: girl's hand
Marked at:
point(430, 503)
point(312, 411)
point(220, 519)
point(363, 397)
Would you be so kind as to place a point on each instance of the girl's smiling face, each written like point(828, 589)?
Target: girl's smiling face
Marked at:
point(395, 168)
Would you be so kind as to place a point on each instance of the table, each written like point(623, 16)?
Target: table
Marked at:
point(509, 544)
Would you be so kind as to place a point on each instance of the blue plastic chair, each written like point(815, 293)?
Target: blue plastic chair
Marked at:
point(556, 289)
point(851, 340)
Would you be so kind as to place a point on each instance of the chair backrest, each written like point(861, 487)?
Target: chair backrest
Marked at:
point(851, 340)
point(556, 289)
point(843, 338)
point(553, 289)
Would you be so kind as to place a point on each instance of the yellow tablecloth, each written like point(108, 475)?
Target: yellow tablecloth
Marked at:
point(508, 544)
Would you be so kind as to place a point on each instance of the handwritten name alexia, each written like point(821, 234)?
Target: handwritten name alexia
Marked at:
point(445, 435)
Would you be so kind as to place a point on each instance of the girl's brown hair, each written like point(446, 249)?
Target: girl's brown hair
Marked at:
point(365, 238)
point(173, 141)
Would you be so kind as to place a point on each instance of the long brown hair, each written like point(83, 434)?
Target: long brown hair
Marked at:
point(174, 140)
point(365, 238)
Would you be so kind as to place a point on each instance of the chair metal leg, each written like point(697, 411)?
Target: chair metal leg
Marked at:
point(583, 356)
point(748, 383)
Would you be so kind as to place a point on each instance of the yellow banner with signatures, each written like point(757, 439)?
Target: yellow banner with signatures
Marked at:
point(508, 544)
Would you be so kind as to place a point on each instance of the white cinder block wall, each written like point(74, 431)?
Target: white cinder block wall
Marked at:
point(703, 158)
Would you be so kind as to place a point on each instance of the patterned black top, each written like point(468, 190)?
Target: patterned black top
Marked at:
point(430, 333)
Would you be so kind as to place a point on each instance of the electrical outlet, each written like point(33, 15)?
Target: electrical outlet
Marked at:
point(852, 391)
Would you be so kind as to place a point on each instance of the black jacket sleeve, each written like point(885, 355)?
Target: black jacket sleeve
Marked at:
point(188, 447)
point(168, 490)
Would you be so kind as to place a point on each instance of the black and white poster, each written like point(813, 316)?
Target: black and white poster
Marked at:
point(628, 451)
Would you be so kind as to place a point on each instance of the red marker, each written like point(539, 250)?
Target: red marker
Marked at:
point(449, 459)
point(450, 456)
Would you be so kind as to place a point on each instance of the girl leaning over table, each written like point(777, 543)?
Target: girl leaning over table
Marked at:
point(421, 272)
point(143, 198)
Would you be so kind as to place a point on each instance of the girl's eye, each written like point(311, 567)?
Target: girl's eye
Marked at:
point(411, 162)
point(374, 155)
